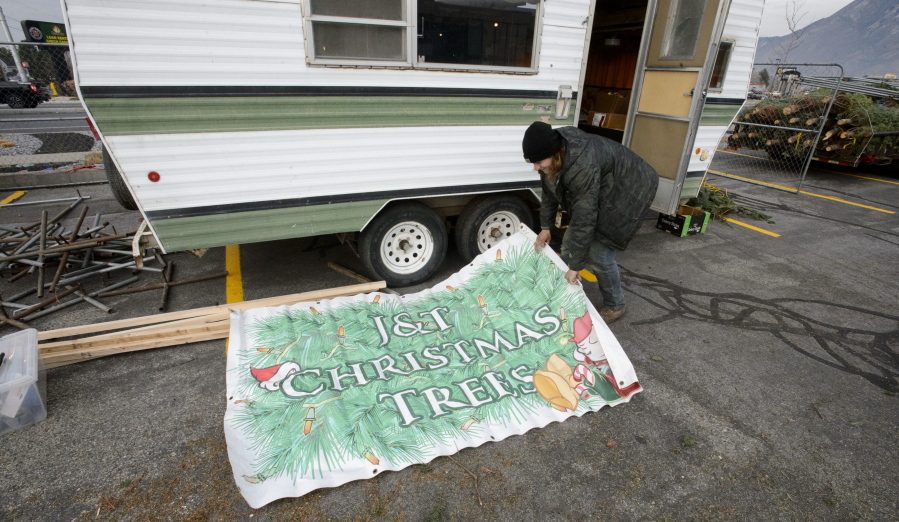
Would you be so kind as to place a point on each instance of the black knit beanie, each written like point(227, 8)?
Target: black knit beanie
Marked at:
point(540, 142)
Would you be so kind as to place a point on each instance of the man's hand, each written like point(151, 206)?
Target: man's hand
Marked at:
point(542, 239)
point(572, 277)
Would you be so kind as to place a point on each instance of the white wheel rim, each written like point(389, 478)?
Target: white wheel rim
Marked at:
point(407, 247)
point(495, 228)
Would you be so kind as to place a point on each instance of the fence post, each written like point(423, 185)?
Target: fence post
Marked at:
point(23, 77)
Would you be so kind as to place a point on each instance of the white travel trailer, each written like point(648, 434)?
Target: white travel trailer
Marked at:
point(236, 121)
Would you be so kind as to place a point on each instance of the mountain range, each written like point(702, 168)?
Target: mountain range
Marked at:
point(863, 37)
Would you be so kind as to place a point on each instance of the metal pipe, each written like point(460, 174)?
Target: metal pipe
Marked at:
point(101, 269)
point(34, 44)
point(774, 127)
point(26, 203)
point(65, 256)
point(77, 300)
point(18, 276)
point(110, 251)
point(36, 264)
point(18, 324)
point(83, 271)
point(163, 285)
point(61, 185)
point(88, 254)
point(58, 250)
point(94, 229)
point(821, 124)
point(167, 277)
point(90, 300)
point(33, 308)
point(40, 257)
point(24, 246)
point(129, 265)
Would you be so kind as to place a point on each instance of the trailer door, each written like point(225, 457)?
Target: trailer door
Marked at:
point(675, 62)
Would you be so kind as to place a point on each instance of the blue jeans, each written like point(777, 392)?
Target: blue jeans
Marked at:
point(601, 262)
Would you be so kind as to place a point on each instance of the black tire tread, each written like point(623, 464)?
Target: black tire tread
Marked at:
point(477, 210)
point(370, 240)
point(117, 184)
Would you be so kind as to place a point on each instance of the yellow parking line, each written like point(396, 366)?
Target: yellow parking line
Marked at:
point(747, 155)
point(234, 280)
point(816, 168)
point(801, 191)
point(857, 176)
point(747, 225)
point(13, 197)
point(585, 274)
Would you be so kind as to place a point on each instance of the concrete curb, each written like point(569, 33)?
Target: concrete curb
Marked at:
point(19, 180)
point(42, 110)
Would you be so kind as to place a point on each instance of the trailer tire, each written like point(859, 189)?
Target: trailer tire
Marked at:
point(117, 184)
point(405, 244)
point(487, 220)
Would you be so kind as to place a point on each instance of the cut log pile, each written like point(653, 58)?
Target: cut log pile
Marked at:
point(857, 125)
point(170, 329)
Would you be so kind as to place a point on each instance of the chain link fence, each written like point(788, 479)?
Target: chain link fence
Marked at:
point(775, 134)
point(42, 123)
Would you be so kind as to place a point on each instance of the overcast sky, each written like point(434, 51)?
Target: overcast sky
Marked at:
point(773, 20)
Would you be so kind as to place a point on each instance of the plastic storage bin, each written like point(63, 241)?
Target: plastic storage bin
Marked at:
point(21, 404)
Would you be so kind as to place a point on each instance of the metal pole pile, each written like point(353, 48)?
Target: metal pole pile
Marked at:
point(73, 257)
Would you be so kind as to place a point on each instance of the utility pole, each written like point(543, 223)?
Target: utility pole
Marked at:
point(15, 49)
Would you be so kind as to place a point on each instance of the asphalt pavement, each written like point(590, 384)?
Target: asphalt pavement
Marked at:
point(769, 358)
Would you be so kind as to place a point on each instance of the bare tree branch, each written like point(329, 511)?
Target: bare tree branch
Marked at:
point(794, 15)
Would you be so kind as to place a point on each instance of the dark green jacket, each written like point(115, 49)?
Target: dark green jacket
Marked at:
point(605, 187)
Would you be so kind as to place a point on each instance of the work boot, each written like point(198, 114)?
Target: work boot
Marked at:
point(610, 316)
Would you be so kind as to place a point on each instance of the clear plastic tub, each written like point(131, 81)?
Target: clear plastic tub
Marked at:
point(21, 404)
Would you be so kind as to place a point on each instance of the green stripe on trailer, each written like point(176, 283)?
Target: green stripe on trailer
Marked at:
point(132, 116)
point(713, 115)
point(691, 186)
point(185, 233)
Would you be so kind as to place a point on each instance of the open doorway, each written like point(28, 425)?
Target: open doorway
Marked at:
point(611, 66)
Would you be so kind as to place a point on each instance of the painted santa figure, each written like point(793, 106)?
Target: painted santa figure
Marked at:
point(590, 354)
point(271, 378)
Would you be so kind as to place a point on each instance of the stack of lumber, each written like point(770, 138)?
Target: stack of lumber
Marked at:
point(155, 331)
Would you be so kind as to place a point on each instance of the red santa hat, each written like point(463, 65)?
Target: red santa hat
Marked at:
point(583, 325)
point(270, 378)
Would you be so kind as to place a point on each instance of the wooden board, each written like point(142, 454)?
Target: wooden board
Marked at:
point(175, 328)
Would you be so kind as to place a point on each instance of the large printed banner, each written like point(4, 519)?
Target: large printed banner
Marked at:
point(324, 393)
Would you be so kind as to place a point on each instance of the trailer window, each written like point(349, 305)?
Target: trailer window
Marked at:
point(495, 33)
point(682, 30)
point(371, 30)
point(721, 62)
point(492, 35)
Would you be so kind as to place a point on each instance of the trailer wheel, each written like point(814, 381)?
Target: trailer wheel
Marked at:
point(488, 220)
point(405, 244)
point(117, 184)
point(15, 101)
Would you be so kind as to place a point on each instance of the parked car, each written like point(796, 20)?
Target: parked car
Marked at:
point(23, 95)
